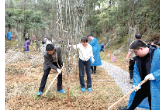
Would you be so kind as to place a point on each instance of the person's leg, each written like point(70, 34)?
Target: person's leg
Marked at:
point(131, 68)
point(27, 48)
point(94, 69)
point(44, 79)
point(89, 82)
point(81, 73)
point(59, 79)
point(149, 99)
point(139, 96)
point(59, 82)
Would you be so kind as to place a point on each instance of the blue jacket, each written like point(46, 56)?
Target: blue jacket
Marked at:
point(9, 35)
point(101, 47)
point(153, 66)
point(95, 48)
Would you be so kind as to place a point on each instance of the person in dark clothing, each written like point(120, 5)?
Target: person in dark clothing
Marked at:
point(132, 62)
point(147, 67)
point(52, 58)
point(156, 43)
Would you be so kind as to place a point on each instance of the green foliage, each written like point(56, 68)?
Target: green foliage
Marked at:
point(119, 15)
point(31, 18)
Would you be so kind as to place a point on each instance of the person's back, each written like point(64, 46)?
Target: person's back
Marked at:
point(95, 48)
point(101, 47)
point(9, 35)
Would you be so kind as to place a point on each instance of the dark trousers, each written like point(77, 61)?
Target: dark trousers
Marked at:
point(93, 68)
point(139, 96)
point(44, 79)
point(27, 48)
point(87, 64)
point(131, 68)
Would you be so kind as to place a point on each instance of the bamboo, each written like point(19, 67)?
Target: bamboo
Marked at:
point(127, 94)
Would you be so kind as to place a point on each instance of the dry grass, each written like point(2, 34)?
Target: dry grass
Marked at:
point(120, 59)
point(21, 92)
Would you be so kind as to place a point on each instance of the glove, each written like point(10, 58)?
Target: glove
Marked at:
point(93, 59)
point(137, 87)
point(150, 77)
point(58, 70)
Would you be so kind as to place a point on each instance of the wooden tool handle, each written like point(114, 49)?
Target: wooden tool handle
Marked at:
point(52, 83)
point(127, 94)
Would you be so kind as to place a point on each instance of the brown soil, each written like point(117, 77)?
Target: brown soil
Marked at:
point(20, 90)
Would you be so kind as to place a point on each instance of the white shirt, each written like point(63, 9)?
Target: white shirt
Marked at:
point(84, 53)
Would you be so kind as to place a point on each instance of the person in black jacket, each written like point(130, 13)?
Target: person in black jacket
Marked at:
point(52, 60)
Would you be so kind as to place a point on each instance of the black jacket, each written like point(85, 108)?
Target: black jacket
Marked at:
point(48, 60)
point(152, 48)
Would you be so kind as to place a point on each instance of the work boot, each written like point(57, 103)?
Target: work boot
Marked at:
point(121, 108)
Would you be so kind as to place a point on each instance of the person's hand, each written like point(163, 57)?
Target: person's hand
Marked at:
point(93, 59)
point(137, 87)
point(150, 77)
point(59, 70)
point(127, 59)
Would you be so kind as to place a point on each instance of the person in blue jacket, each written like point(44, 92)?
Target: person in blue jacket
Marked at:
point(95, 48)
point(147, 66)
point(9, 35)
point(101, 47)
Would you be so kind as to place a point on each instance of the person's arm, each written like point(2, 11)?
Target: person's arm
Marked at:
point(128, 55)
point(49, 63)
point(60, 62)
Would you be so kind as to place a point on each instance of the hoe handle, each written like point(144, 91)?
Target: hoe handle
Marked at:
point(127, 94)
point(52, 83)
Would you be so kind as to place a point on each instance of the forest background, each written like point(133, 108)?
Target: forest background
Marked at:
point(113, 22)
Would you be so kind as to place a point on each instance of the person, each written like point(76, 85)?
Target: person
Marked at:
point(101, 47)
point(95, 48)
point(26, 45)
point(9, 35)
point(156, 43)
point(34, 37)
point(85, 53)
point(45, 42)
point(52, 60)
point(132, 54)
point(26, 36)
point(147, 66)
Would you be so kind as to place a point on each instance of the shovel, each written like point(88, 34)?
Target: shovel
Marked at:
point(127, 94)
